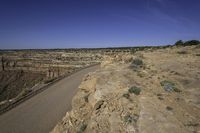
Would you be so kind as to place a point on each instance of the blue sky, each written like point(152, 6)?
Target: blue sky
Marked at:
point(96, 23)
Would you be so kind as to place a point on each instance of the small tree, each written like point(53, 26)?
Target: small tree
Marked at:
point(191, 42)
point(179, 43)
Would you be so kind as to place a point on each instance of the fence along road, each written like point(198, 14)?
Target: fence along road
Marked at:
point(42, 112)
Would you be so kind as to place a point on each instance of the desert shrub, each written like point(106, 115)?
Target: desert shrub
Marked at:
point(179, 43)
point(126, 95)
point(169, 86)
point(191, 42)
point(135, 90)
point(82, 128)
point(131, 118)
point(187, 43)
point(137, 62)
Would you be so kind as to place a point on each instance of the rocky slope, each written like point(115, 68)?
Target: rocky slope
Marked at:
point(155, 91)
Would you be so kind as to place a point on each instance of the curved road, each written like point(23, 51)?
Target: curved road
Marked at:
point(42, 112)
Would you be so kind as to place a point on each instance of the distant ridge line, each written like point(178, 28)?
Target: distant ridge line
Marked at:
point(41, 49)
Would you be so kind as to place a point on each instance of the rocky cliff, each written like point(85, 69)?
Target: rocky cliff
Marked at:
point(151, 91)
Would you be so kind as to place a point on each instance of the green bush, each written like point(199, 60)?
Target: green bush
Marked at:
point(82, 128)
point(191, 42)
point(187, 43)
point(169, 86)
point(137, 62)
point(131, 118)
point(179, 43)
point(135, 90)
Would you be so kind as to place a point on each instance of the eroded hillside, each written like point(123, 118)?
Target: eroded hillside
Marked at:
point(149, 91)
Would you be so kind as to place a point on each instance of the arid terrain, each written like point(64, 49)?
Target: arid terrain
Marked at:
point(99, 66)
point(135, 90)
point(25, 71)
point(149, 91)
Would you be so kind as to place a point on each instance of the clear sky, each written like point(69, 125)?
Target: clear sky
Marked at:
point(96, 23)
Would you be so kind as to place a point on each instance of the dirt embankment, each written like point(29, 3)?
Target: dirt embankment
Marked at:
point(150, 91)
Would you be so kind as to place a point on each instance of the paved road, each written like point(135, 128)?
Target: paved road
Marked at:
point(42, 112)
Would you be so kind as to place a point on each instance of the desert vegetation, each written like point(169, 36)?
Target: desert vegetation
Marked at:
point(169, 86)
point(135, 90)
point(136, 64)
point(187, 43)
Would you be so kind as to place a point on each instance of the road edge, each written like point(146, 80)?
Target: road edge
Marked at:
point(31, 94)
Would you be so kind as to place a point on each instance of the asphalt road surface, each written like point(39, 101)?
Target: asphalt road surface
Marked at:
point(42, 112)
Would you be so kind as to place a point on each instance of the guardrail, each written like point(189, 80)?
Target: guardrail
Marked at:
point(33, 93)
